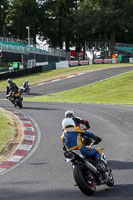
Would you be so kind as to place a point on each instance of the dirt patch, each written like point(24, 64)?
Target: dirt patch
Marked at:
point(15, 139)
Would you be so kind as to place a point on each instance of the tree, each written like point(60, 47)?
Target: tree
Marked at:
point(22, 14)
point(114, 15)
point(3, 12)
point(68, 22)
point(57, 16)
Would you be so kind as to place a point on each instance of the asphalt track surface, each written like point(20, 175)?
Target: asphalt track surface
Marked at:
point(77, 81)
point(45, 175)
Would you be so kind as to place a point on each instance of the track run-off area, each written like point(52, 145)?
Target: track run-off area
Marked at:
point(43, 173)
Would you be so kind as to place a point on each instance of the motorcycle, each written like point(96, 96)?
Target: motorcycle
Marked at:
point(85, 173)
point(25, 89)
point(15, 98)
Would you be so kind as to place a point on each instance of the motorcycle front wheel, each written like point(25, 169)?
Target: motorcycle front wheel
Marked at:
point(86, 185)
point(110, 179)
point(19, 103)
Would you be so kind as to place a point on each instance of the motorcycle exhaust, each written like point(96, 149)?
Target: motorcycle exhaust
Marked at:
point(90, 167)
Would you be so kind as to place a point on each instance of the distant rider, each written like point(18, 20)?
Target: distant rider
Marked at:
point(25, 84)
point(72, 140)
point(77, 120)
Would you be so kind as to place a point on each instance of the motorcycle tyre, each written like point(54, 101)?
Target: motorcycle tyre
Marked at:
point(110, 183)
point(21, 91)
point(19, 103)
point(28, 90)
point(82, 182)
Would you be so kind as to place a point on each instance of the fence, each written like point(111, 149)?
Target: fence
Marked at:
point(28, 71)
point(20, 73)
point(21, 48)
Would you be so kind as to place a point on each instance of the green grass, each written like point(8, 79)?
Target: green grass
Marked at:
point(5, 130)
point(53, 74)
point(117, 90)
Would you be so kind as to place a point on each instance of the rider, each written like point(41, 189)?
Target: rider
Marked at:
point(25, 84)
point(77, 120)
point(72, 140)
point(11, 87)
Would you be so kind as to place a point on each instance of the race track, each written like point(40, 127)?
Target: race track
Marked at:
point(45, 175)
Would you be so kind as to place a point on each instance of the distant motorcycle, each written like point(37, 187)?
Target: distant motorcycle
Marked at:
point(15, 98)
point(25, 88)
point(85, 173)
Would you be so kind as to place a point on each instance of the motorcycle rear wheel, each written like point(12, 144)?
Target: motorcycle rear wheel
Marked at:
point(28, 90)
point(86, 185)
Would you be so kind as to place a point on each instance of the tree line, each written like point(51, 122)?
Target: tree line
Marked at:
point(68, 22)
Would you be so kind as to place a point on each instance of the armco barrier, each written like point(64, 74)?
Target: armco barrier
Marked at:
point(73, 63)
point(98, 61)
point(28, 71)
point(84, 62)
point(4, 69)
point(48, 67)
point(20, 73)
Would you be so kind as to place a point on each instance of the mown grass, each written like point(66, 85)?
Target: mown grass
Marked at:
point(5, 129)
point(116, 90)
point(53, 74)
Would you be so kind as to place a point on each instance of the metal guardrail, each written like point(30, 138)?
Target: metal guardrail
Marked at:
point(4, 69)
point(30, 49)
point(124, 49)
point(16, 45)
point(7, 39)
point(123, 45)
point(48, 67)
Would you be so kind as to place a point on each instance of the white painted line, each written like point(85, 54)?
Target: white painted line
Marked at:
point(81, 73)
point(25, 147)
point(2, 169)
point(26, 122)
point(71, 76)
point(25, 117)
point(40, 84)
point(29, 129)
point(29, 137)
point(15, 112)
point(55, 80)
point(108, 78)
point(14, 158)
point(59, 79)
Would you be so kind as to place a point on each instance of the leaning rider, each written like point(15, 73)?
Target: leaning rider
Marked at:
point(77, 120)
point(11, 87)
point(72, 140)
point(25, 84)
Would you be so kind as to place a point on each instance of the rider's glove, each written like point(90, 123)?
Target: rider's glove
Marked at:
point(98, 139)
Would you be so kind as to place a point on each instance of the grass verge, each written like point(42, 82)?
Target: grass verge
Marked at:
point(117, 90)
point(53, 74)
point(5, 129)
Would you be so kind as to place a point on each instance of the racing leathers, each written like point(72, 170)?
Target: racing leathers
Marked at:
point(11, 87)
point(25, 85)
point(79, 121)
point(72, 140)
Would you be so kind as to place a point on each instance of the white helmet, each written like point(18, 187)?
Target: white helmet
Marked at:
point(67, 122)
point(69, 113)
point(9, 80)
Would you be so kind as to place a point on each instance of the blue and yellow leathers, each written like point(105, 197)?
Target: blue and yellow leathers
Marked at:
point(72, 140)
